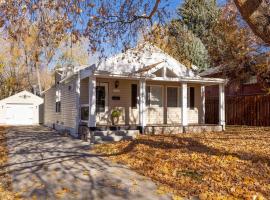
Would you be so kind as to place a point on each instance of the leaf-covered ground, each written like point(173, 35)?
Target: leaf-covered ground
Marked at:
point(234, 164)
point(5, 192)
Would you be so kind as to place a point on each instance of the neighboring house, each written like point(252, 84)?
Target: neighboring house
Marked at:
point(252, 86)
point(23, 108)
point(248, 87)
point(153, 92)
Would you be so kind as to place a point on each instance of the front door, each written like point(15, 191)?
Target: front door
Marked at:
point(102, 103)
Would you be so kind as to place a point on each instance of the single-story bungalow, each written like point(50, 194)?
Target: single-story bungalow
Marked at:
point(23, 108)
point(144, 88)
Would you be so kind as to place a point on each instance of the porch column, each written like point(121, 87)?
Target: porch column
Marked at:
point(184, 105)
point(222, 106)
point(202, 118)
point(142, 86)
point(92, 102)
point(78, 105)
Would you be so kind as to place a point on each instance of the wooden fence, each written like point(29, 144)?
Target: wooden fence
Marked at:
point(240, 110)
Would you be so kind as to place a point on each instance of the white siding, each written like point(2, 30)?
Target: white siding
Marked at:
point(67, 118)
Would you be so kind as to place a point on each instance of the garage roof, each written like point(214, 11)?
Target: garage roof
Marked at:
point(23, 97)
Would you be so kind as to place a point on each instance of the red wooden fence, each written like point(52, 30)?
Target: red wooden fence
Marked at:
point(240, 110)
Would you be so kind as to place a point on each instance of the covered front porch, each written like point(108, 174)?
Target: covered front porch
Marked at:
point(152, 105)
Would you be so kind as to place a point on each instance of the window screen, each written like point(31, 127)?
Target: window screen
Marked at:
point(154, 94)
point(172, 97)
point(134, 95)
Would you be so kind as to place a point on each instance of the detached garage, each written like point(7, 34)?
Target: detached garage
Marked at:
point(23, 108)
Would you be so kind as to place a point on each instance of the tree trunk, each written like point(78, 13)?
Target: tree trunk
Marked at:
point(257, 14)
point(38, 74)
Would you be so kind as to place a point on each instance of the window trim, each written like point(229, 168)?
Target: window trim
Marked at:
point(83, 106)
point(162, 94)
point(107, 96)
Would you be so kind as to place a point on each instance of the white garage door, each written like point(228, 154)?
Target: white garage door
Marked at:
point(19, 114)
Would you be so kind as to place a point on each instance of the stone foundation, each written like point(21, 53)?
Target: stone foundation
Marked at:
point(156, 129)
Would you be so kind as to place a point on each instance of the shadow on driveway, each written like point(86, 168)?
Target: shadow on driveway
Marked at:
point(46, 165)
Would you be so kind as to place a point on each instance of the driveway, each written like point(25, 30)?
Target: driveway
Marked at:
point(46, 165)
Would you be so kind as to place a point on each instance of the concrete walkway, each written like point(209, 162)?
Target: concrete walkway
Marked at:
point(45, 165)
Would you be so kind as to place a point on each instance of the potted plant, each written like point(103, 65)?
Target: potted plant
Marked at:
point(116, 113)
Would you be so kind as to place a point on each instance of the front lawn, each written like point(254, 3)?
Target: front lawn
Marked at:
point(5, 192)
point(230, 165)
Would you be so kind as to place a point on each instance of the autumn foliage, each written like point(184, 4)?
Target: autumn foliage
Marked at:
point(5, 192)
point(231, 165)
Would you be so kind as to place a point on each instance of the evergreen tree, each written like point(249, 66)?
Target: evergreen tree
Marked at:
point(200, 16)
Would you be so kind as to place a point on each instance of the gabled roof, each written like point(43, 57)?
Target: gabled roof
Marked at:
point(141, 59)
point(23, 97)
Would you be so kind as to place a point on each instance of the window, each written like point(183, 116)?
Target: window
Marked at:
point(191, 97)
point(70, 88)
point(172, 96)
point(134, 95)
point(251, 80)
point(84, 113)
point(154, 96)
point(147, 96)
point(58, 101)
point(100, 98)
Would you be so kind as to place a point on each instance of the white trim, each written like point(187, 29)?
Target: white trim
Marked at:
point(85, 73)
point(78, 93)
point(209, 81)
point(84, 105)
point(222, 105)
point(184, 105)
point(92, 102)
point(202, 120)
point(164, 72)
point(142, 100)
point(106, 85)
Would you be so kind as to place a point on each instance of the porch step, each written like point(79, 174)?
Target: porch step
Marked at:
point(116, 128)
point(114, 136)
point(118, 133)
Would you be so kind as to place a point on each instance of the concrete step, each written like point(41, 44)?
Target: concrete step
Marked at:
point(113, 136)
point(132, 133)
point(127, 133)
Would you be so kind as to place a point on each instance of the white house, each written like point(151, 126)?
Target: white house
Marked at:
point(23, 108)
point(153, 92)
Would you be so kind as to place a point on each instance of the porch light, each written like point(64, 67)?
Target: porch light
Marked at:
point(116, 84)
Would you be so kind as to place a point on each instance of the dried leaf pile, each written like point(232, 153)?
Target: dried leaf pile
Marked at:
point(5, 192)
point(234, 164)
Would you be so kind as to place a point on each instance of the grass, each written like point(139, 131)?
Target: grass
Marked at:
point(234, 164)
point(5, 183)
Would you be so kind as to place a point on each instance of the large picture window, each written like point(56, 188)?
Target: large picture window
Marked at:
point(154, 96)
